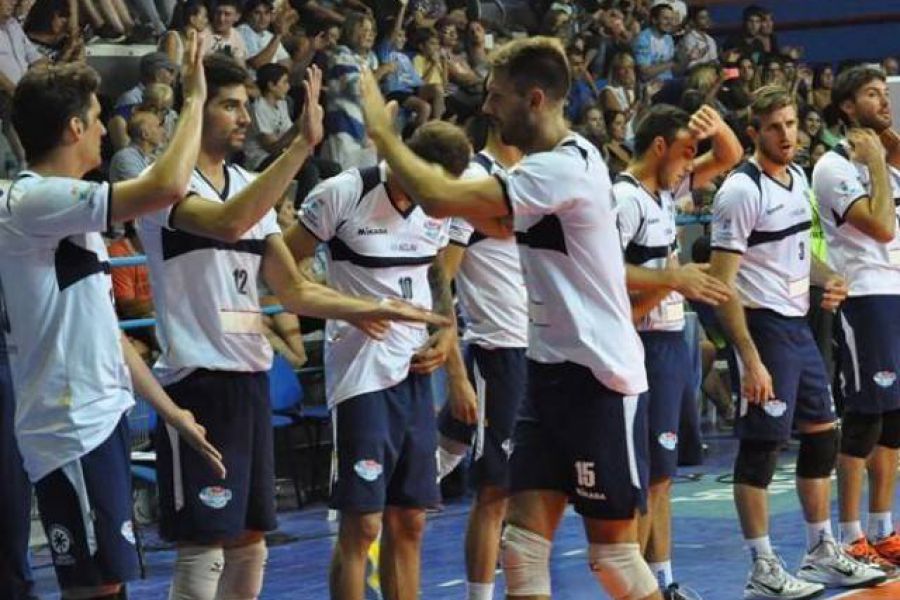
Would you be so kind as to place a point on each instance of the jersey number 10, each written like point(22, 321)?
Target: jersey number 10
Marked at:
point(406, 288)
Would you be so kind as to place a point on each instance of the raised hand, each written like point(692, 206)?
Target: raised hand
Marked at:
point(310, 121)
point(705, 123)
point(375, 112)
point(865, 145)
point(193, 78)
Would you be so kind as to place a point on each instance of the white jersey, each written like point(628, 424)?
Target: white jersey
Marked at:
point(71, 382)
point(204, 290)
point(649, 237)
point(871, 267)
point(374, 250)
point(578, 306)
point(489, 283)
point(769, 224)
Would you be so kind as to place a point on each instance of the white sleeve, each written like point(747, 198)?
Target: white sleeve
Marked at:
point(269, 224)
point(837, 184)
point(531, 187)
point(330, 203)
point(735, 213)
point(61, 207)
point(628, 212)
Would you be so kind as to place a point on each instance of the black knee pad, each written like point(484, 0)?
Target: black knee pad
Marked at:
point(817, 454)
point(890, 430)
point(755, 464)
point(859, 434)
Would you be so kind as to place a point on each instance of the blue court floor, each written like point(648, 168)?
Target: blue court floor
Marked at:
point(708, 553)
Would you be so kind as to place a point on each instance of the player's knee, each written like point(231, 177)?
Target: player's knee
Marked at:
point(818, 454)
point(526, 562)
point(359, 530)
point(859, 434)
point(242, 576)
point(622, 571)
point(405, 524)
point(197, 572)
point(755, 464)
point(890, 430)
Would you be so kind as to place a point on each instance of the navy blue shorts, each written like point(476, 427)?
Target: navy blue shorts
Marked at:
point(669, 374)
point(870, 354)
point(576, 436)
point(499, 377)
point(789, 352)
point(386, 443)
point(85, 508)
point(195, 505)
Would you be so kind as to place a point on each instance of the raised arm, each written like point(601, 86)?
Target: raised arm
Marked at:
point(438, 194)
point(726, 150)
point(228, 221)
point(166, 182)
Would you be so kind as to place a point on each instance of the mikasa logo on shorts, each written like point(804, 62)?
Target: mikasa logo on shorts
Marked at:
point(668, 440)
point(774, 408)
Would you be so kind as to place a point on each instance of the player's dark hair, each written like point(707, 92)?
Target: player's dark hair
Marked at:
point(660, 120)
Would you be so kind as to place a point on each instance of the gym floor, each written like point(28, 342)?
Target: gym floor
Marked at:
point(708, 553)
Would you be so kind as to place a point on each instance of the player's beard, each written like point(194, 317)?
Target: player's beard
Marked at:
point(875, 121)
point(776, 156)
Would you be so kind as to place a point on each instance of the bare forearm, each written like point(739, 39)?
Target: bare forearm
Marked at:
point(146, 385)
point(423, 181)
point(175, 166)
point(734, 322)
point(315, 300)
point(642, 279)
point(265, 55)
point(882, 197)
point(819, 272)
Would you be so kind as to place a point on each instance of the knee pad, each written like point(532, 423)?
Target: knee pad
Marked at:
point(622, 571)
point(755, 464)
point(526, 562)
point(197, 573)
point(890, 430)
point(817, 454)
point(242, 576)
point(859, 434)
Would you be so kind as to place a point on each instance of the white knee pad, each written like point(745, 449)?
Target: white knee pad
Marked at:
point(242, 576)
point(526, 562)
point(622, 571)
point(197, 573)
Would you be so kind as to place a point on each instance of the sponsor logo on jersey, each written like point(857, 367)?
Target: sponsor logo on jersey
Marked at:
point(885, 378)
point(774, 209)
point(774, 408)
point(368, 469)
point(372, 231)
point(668, 440)
point(215, 496)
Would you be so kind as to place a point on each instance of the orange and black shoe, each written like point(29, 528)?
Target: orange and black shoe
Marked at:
point(889, 548)
point(863, 551)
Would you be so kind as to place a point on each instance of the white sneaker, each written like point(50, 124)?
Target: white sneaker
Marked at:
point(769, 580)
point(828, 564)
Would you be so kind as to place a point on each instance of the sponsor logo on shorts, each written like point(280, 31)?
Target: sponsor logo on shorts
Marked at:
point(885, 378)
point(668, 440)
point(507, 446)
point(774, 408)
point(60, 540)
point(215, 496)
point(590, 494)
point(368, 469)
point(128, 531)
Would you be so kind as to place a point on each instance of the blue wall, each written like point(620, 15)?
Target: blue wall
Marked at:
point(831, 44)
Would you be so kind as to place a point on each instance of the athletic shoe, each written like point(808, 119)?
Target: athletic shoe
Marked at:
point(889, 548)
point(829, 565)
point(861, 550)
point(769, 580)
point(677, 592)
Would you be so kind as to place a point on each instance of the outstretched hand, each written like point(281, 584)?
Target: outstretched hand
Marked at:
point(194, 434)
point(376, 323)
point(375, 111)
